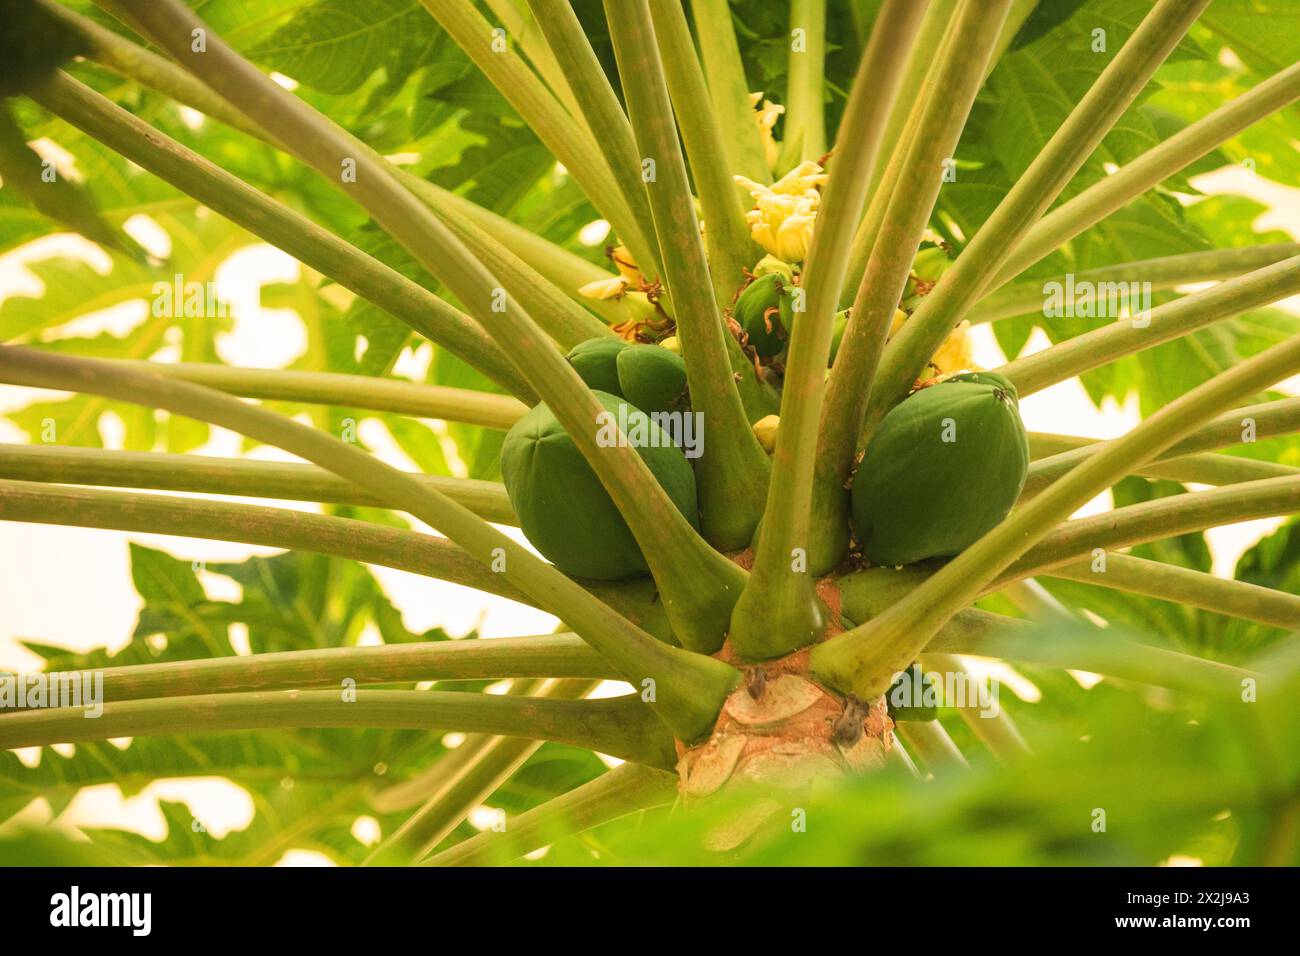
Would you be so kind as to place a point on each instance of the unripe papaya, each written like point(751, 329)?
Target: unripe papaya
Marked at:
point(595, 361)
point(759, 311)
point(652, 378)
point(786, 313)
point(944, 466)
point(987, 378)
point(914, 695)
point(927, 268)
point(772, 265)
point(766, 430)
point(930, 264)
point(837, 334)
point(563, 508)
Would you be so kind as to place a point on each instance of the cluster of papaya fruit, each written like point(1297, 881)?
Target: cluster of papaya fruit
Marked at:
point(944, 466)
point(928, 267)
point(766, 310)
point(563, 508)
point(651, 377)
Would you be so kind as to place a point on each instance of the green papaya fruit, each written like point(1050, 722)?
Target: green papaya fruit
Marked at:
point(771, 264)
point(930, 264)
point(837, 333)
point(927, 268)
point(914, 695)
point(786, 314)
point(759, 312)
point(652, 378)
point(944, 466)
point(986, 378)
point(595, 361)
point(563, 508)
point(765, 430)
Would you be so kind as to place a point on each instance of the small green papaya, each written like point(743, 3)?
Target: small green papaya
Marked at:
point(944, 466)
point(927, 268)
point(914, 695)
point(786, 313)
point(652, 378)
point(930, 264)
point(759, 311)
point(837, 333)
point(595, 361)
point(765, 430)
point(987, 378)
point(771, 264)
point(563, 508)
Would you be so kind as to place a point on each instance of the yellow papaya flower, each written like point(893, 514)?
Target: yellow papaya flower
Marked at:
point(626, 265)
point(899, 318)
point(784, 213)
point(610, 288)
point(954, 355)
point(785, 229)
point(804, 179)
point(766, 117)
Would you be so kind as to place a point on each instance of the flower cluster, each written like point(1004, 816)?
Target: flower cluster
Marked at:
point(784, 213)
point(953, 356)
point(629, 274)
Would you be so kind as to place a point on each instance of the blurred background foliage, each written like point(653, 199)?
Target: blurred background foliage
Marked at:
point(1215, 781)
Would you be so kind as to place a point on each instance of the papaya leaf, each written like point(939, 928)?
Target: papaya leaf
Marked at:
point(1274, 562)
point(420, 443)
point(1193, 89)
point(1257, 31)
point(75, 421)
point(326, 45)
point(107, 182)
point(33, 45)
point(288, 601)
point(1188, 550)
point(255, 759)
point(1030, 92)
point(478, 448)
point(30, 846)
point(553, 770)
point(53, 195)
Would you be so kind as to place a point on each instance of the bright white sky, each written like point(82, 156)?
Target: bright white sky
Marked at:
point(72, 587)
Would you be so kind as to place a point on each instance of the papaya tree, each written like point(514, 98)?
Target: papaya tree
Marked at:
point(737, 444)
